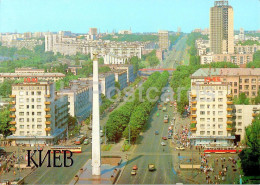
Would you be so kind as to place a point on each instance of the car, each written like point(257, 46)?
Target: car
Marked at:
point(135, 167)
point(133, 172)
point(86, 141)
point(163, 143)
point(169, 136)
point(156, 132)
point(151, 167)
point(164, 138)
point(182, 148)
point(166, 118)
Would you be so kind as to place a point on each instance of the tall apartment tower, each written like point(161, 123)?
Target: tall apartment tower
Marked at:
point(163, 39)
point(221, 28)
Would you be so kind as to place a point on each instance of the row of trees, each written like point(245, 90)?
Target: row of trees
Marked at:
point(256, 60)
point(135, 112)
point(151, 58)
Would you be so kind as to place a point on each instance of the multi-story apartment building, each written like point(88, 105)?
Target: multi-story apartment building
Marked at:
point(93, 31)
point(211, 119)
point(80, 98)
point(28, 70)
point(38, 115)
point(120, 77)
point(21, 43)
point(247, 49)
point(128, 32)
point(39, 76)
point(245, 80)
point(238, 59)
point(244, 115)
point(221, 28)
point(114, 59)
point(107, 81)
point(163, 39)
point(129, 69)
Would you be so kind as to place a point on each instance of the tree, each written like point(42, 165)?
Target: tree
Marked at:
point(135, 62)
point(250, 160)
point(4, 122)
point(242, 99)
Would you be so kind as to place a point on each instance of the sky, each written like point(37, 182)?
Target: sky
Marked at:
point(107, 15)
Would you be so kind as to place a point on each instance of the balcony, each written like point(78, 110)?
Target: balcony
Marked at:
point(12, 116)
point(12, 122)
point(229, 129)
point(12, 96)
point(47, 116)
point(229, 102)
point(193, 122)
point(254, 114)
point(12, 103)
point(47, 122)
point(12, 110)
point(193, 115)
point(48, 129)
point(194, 102)
point(12, 129)
point(193, 129)
point(229, 122)
point(47, 95)
point(229, 109)
point(47, 103)
point(229, 116)
point(193, 108)
point(47, 109)
point(229, 96)
point(193, 95)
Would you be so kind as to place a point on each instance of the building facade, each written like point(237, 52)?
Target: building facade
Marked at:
point(221, 28)
point(163, 39)
point(38, 115)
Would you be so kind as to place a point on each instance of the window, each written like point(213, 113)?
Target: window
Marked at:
point(220, 113)
point(239, 124)
point(21, 133)
point(27, 100)
point(220, 100)
point(220, 92)
point(21, 119)
point(32, 106)
point(21, 93)
point(202, 132)
point(33, 113)
point(214, 133)
point(27, 106)
point(38, 99)
point(28, 120)
point(235, 90)
point(202, 112)
point(39, 113)
point(202, 99)
point(39, 106)
point(28, 132)
point(220, 133)
point(214, 119)
point(220, 119)
point(246, 80)
point(208, 112)
point(208, 106)
point(202, 126)
point(239, 110)
point(239, 117)
point(253, 80)
point(32, 119)
point(39, 126)
point(39, 133)
point(220, 106)
point(202, 106)
point(39, 119)
point(21, 126)
point(32, 93)
point(28, 126)
point(202, 119)
point(240, 130)
point(220, 126)
point(27, 93)
point(33, 126)
point(21, 100)
point(208, 133)
point(21, 106)
point(38, 93)
point(208, 119)
point(21, 113)
point(235, 84)
point(32, 99)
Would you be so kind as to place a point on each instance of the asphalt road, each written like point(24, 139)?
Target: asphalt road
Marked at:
point(149, 150)
point(176, 55)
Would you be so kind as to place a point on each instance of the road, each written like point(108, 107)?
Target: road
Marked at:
point(176, 55)
point(149, 150)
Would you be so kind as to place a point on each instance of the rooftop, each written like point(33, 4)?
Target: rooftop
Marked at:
point(203, 72)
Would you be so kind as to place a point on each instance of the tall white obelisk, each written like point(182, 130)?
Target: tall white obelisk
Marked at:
point(96, 156)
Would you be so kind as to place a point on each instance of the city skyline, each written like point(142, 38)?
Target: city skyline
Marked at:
point(140, 16)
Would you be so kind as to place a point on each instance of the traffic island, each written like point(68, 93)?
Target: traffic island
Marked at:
point(110, 170)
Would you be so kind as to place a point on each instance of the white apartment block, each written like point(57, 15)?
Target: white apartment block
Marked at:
point(129, 69)
point(114, 59)
point(38, 76)
point(244, 117)
point(211, 116)
point(80, 98)
point(247, 49)
point(38, 115)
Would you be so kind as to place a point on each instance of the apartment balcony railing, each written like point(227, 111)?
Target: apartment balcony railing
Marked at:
point(12, 96)
point(12, 122)
point(47, 122)
point(12, 109)
point(229, 102)
point(12, 116)
point(47, 103)
point(48, 129)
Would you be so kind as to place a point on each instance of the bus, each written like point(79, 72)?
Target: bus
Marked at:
point(73, 149)
point(222, 150)
point(80, 139)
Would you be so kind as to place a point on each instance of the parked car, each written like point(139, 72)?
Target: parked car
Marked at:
point(166, 118)
point(86, 141)
point(151, 167)
point(135, 167)
point(133, 172)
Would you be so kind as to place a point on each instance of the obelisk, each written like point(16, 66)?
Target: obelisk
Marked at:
point(96, 156)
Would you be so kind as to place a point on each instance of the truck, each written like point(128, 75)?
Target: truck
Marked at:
point(151, 167)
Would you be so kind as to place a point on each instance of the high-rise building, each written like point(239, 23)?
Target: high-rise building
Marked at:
point(93, 31)
point(221, 28)
point(163, 39)
point(38, 115)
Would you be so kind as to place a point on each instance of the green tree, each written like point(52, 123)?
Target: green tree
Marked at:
point(242, 99)
point(135, 62)
point(4, 122)
point(250, 160)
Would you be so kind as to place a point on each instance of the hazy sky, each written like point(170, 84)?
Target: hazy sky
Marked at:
point(140, 15)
